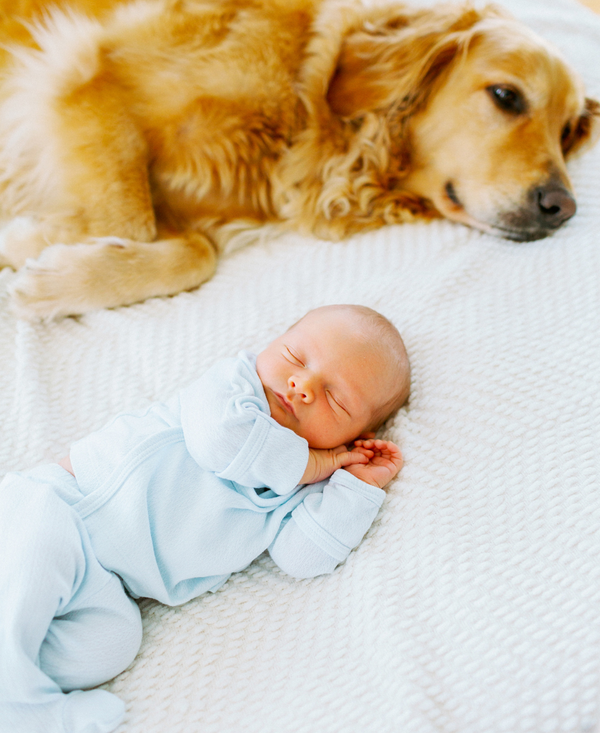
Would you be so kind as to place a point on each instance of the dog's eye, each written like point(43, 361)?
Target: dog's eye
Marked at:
point(566, 132)
point(507, 99)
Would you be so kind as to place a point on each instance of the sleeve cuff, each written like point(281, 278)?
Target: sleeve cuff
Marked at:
point(372, 493)
point(362, 507)
point(272, 456)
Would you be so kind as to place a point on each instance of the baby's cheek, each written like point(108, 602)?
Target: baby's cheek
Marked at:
point(278, 413)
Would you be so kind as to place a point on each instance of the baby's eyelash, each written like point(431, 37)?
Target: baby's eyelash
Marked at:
point(295, 358)
point(332, 398)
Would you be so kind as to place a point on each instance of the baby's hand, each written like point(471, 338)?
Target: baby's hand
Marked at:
point(384, 462)
point(322, 463)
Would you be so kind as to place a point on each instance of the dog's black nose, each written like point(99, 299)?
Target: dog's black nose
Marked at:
point(556, 205)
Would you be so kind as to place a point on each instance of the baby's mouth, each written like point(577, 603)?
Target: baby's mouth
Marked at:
point(286, 404)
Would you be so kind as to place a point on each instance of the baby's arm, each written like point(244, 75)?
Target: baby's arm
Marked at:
point(323, 529)
point(228, 430)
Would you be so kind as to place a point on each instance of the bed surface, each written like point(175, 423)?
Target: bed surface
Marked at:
point(473, 604)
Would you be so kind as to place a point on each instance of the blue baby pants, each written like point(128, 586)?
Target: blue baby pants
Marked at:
point(66, 623)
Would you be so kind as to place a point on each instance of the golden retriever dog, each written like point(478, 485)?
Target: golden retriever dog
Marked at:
point(138, 138)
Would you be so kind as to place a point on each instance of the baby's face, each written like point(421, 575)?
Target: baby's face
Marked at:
point(321, 380)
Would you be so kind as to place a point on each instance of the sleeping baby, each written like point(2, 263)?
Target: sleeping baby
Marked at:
point(270, 452)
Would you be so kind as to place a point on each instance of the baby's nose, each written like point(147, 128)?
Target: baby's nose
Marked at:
point(302, 387)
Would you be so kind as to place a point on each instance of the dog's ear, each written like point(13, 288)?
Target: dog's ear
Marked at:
point(585, 131)
point(392, 62)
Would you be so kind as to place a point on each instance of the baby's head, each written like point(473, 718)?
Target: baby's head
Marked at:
point(337, 373)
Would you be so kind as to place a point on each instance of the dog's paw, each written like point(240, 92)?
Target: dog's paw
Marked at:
point(42, 289)
point(21, 238)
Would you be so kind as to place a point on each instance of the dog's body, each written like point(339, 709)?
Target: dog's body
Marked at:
point(137, 138)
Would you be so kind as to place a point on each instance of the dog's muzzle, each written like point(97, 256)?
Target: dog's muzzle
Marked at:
point(548, 207)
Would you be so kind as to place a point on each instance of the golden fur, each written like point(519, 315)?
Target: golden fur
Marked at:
point(139, 137)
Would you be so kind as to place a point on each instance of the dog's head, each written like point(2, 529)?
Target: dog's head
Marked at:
point(485, 111)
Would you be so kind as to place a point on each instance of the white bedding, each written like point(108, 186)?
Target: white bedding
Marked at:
point(473, 605)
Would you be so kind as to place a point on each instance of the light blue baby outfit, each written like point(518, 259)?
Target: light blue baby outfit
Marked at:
point(168, 503)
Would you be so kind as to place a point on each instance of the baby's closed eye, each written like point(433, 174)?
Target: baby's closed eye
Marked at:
point(293, 357)
point(335, 404)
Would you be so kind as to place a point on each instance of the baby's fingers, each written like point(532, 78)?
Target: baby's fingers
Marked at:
point(351, 457)
point(383, 446)
point(377, 444)
point(365, 451)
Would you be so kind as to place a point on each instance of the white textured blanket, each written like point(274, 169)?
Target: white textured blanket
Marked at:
point(473, 605)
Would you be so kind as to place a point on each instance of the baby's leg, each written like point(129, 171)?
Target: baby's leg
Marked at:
point(96, 637)
point(53, 592)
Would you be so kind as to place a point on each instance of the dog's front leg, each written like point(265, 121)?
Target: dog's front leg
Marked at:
point(108, 272)
point(26, 237)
